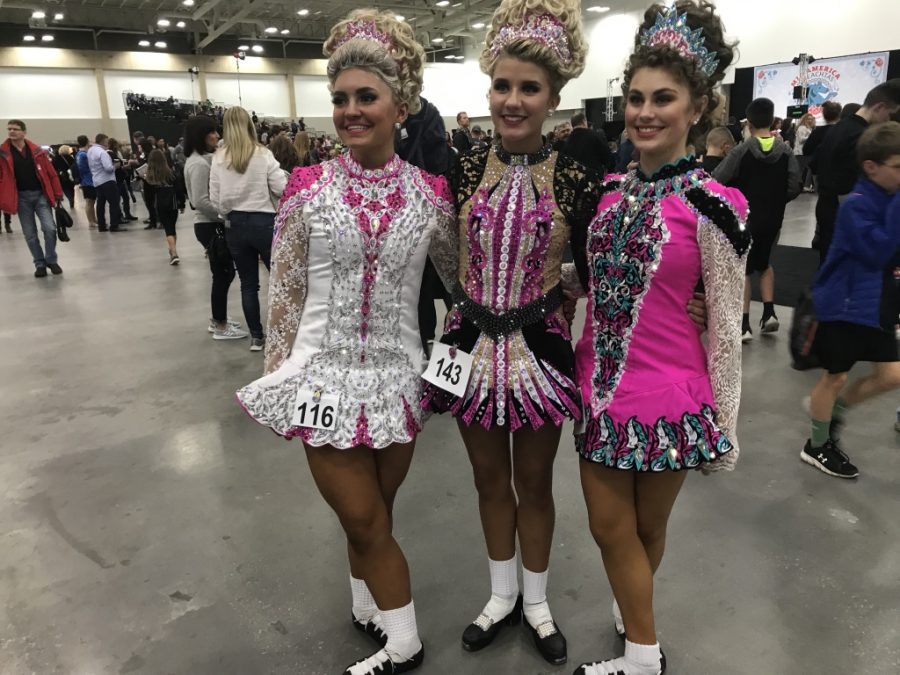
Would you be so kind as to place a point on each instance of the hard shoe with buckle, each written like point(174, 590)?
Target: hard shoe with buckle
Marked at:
point(380, 663)
point(481, 632)
point(550, 642)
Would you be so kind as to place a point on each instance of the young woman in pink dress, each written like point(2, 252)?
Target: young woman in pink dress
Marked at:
point(658, 402)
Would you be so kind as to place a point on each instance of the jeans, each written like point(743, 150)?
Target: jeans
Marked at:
point(33, 202)
point(249, 239)
point(108, 193)
point(222, 272)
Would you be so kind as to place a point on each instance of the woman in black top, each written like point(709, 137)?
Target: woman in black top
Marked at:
point(62, 162)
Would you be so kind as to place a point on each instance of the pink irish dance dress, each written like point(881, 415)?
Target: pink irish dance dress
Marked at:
point(655, 397)
point(347, 259)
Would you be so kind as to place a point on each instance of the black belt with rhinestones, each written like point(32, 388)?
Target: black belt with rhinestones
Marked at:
point(498, 325)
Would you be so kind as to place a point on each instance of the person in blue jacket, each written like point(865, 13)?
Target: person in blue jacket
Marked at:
point(856, 299)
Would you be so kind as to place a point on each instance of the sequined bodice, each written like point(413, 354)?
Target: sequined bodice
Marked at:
point(512, 232)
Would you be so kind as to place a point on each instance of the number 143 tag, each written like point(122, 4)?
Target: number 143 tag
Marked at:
point(449, 368)
point(315, 409)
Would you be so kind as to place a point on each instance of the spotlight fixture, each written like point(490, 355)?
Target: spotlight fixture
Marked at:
point(478, 26)
point(598, 9)
point(59, 16)
point(160, 44)
point(442, 3)
point(450, 57)
point(438, 40)
point(303, 12)
point(47, 38)
point(165, 23)
point(28, 38)
point(271, 29)
point(180, 24)
point(144, 43)
point(285, 31)
point(243, 48)
point(257, 48)
point(187, 3)
point(38, 14)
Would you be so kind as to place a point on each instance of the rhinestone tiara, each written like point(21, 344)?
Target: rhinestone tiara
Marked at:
point(671, 31)
point(364, 30)
point(543, 28)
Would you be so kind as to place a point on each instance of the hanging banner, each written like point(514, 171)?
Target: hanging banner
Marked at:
point(845, 79)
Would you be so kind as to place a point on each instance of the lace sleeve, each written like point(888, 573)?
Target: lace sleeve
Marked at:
point(444, 249)
point(287, 286)
point(578, 191)
point(724, 242)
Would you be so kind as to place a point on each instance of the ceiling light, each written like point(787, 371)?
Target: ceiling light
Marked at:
point(450, 57)
point(187, 3)
point(28, 38)
point(442, 3)
point(243, 48)
point(159, 45)
point(38, 14)
point(271, 29)
point(163, 22)
point(59, 16)
point(46, 38)
point(144, 43)
point(478, 25)
point(399, 17)
point(437, 40)
point(257, 48)
point(285, 31)
point(598, 9)
point(303, 12)
point(181, 24)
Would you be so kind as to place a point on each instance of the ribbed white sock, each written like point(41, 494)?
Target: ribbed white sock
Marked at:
point(504, 588)
point(364, 607)
point(403, 634)
point(534, 598)
point(617, 617)
point(638, 660)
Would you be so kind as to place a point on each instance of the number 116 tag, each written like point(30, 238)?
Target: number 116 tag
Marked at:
point(449, 369)
point(315, 409)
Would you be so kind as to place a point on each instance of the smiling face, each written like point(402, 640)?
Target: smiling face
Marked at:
point(519, 99)
point(659, 113)
point(364, 116)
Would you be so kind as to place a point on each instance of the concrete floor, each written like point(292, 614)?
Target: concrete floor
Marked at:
point(150, 527)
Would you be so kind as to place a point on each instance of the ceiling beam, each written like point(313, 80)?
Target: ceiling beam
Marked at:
point(204, 8)
point(229, 22)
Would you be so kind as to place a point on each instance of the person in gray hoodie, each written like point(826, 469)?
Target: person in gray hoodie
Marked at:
point(765, 169)
point(200, 141)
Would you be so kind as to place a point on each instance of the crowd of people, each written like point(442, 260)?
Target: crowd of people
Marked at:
point(399, 213)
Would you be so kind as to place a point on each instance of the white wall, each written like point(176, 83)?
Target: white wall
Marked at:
point(266, 94)
point(50, 94)
point(151, 84)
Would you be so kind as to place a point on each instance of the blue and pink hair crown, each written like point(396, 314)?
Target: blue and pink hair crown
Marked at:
point(671, 31)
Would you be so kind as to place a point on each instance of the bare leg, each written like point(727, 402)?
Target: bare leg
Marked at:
point(90, 211)
point(534, 453)
point(766, 285)
point(655, 497)
point(824, 394)
point(885, 377)
point(748, 290)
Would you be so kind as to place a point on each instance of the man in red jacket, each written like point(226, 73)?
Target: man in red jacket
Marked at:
point(29, 186)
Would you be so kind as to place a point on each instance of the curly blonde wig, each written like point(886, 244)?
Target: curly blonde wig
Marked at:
point(514, 13)
point(400, 67)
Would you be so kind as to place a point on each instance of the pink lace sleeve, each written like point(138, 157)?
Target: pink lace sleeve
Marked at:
point(444, 250)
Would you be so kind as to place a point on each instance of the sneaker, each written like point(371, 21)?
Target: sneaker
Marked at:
point(55, 268)
point(229, 333)
point(40, 272)
point(174, 259)
point(829, 459)
point(257, 344)
point(230, 322)
point(747, 336)
point(769, 325)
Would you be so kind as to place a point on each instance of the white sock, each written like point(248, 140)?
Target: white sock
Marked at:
point(364, 607)
point(535, 606)
point(638, 660)
point(504, 588)
point(617, 617)
point(402, 633)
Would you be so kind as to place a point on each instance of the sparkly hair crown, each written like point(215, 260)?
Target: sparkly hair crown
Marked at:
point(671, 31)
point(543, 28)
point(364, 30)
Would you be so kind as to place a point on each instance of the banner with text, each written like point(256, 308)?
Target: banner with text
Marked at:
point(845, 79)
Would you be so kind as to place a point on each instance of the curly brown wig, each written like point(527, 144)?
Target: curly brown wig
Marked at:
point(699, 14)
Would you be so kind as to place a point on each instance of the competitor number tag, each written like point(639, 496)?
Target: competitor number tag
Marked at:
point(449, 368)
point(315, 410)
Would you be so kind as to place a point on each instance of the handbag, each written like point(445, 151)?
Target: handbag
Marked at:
point(63, 223)
point(217, 251)
point(803, 333)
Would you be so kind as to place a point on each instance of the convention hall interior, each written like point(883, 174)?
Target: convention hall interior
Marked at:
point(149, 526)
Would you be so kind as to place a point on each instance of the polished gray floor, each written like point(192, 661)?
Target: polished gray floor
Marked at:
point(149, 527)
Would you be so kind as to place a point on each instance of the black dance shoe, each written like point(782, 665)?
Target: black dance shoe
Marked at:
point(372, 629)
point(590, 668)
point(381, 664)
point(550, 642)
point(483, 630)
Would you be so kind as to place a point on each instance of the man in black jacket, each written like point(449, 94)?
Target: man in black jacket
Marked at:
point(589, 147)
point(838, 168)
point(831, 112)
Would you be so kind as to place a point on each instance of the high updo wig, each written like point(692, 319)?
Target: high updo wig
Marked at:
point(698, 14)
point(513, 13)
point(400, 66)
